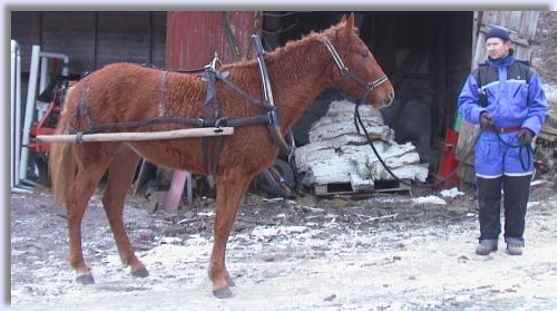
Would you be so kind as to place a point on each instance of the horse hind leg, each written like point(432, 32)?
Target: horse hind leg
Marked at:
point(92, 163)
point(121, 173)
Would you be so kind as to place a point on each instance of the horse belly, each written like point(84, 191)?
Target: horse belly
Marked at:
point(183, 154)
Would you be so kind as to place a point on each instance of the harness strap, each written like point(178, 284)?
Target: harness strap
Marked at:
point(238, 90)
point(345, 71)
point(162, 109)
point(272, 113)
point(211, 112)
point(82, 112)
point(180, 122)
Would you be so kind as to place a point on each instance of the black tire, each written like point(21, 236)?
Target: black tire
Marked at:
point(272, 186)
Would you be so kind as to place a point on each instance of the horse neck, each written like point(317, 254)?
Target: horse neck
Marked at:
point(298, 74)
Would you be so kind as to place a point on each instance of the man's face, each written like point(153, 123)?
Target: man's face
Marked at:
point(497, 48)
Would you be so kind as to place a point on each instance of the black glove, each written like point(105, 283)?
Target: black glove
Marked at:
point(525, 136)
point(486, 122)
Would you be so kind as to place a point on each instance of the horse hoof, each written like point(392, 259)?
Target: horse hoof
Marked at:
point(222, 293)
point(85, 279)
point(140, 273)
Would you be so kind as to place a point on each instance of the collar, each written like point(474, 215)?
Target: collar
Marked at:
point(502, 62)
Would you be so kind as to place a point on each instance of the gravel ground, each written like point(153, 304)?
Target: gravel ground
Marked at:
point(389, 252)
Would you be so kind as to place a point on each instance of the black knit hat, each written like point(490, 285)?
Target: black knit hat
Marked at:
point(496, 31)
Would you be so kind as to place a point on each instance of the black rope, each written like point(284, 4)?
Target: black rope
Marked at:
point(359, 123)
point(520, 148)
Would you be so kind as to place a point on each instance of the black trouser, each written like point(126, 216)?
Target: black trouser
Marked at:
point(517, 190)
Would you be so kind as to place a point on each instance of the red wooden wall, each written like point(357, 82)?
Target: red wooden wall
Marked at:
point(193, 37)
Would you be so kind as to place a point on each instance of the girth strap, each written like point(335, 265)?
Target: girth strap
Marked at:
point(211, 147)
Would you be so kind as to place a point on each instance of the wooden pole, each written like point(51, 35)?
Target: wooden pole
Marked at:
point(138, 136)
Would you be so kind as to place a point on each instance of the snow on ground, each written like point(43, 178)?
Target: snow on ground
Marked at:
point(430, 199)
point(451, 193)
point(397, 262)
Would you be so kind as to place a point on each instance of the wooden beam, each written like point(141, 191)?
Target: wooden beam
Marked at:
point(139, 136)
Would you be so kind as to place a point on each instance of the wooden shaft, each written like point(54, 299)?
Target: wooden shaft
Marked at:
point(139, 136)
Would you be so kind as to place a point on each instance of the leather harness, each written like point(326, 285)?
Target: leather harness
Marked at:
point(212, 113)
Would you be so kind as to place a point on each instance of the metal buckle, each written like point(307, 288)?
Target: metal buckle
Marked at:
point(219, 121)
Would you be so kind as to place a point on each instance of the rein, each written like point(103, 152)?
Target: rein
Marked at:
point(368, 87)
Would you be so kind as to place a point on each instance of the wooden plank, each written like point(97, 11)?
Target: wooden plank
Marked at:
point(140, 136)
point(529, 24)
point(193, 37)
point(25, 29)
point(73, 34)
point(329, 189)
point(475, 30)
point(128, 36)
point(123, 37)
point(158, 38)
point(346, 189)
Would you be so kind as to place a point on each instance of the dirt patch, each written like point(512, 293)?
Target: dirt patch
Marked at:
point(385, 252)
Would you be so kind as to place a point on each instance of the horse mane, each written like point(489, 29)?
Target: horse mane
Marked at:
point(293, 46)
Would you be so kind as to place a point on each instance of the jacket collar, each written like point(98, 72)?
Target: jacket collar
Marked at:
point(502, 62)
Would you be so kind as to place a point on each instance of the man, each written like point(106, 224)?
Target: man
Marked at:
point(504, 96)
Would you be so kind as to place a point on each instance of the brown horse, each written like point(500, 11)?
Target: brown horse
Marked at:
point(299, 72)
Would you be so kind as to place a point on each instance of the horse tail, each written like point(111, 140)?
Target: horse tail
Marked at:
point(62, 164)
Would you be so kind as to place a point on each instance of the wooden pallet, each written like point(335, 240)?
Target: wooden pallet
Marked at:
point(346, 189)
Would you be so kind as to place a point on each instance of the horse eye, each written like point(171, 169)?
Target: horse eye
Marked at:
point(364, 54)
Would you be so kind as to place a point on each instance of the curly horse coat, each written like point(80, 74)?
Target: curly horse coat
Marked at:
point(123, 92)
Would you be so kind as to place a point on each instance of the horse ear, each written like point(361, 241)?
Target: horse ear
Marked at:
point(349, 23)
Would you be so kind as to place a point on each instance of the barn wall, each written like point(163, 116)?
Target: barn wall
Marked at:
point(92, 39)
point(194, 37)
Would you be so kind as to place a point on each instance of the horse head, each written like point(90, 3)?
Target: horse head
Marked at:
point(357, 72)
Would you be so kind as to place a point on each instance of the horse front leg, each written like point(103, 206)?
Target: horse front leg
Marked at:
point(231, 187)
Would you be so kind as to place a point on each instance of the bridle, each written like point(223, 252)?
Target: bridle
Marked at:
point(368, 87)
point(345, 72)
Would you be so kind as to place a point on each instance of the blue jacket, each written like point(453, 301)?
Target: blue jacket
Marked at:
point(514, 95)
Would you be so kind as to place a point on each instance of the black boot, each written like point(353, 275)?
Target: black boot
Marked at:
point(517, 192)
